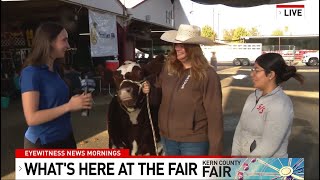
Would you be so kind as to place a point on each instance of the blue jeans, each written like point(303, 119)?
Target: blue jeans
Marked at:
point(174, 148)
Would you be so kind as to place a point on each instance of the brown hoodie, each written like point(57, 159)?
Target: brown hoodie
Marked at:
point(192, 113)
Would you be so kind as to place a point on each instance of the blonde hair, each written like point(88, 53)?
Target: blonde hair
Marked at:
point(199, 63)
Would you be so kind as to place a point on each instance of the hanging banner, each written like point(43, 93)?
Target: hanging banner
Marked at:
point(103, 34)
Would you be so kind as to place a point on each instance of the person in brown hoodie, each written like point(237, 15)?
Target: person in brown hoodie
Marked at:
point(190, 114)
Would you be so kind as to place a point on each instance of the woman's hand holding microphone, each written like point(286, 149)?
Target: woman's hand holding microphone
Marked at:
point(80, 102)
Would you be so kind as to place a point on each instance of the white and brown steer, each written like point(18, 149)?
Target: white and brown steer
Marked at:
point(128, 121)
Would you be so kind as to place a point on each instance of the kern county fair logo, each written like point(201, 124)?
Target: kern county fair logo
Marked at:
point(290, 11)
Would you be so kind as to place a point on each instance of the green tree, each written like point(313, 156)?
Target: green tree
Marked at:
point(277, 32)
point(238, 33)
point(228, 34)
point(208, 32)
point(254, 32)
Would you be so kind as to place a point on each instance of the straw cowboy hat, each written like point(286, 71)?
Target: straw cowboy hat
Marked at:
point(187, 34)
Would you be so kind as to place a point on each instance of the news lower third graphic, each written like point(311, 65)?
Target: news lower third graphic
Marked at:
point(117, 164)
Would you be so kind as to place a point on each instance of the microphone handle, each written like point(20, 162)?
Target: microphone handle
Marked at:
point(85, 112)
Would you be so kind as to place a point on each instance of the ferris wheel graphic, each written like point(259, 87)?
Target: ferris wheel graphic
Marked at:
point(271, 168)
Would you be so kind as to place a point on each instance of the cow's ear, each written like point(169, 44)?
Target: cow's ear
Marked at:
point(136, 74)
point(117, 78)
point(116, 74)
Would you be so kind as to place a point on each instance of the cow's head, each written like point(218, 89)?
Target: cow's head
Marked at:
point(128, 80)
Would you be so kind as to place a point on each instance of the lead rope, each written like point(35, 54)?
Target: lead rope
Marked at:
point(152, 127)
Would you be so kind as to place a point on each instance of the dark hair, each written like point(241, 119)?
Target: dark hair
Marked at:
point(66, 67)
point(275, 62)
point(41, 45)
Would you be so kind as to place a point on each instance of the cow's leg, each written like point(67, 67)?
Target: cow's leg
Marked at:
point(134, 148)
point(116, 123)
point(149, 149)
point(113, 123)
point(111, 145)
point(160, 151)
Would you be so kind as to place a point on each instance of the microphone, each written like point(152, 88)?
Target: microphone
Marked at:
point(87, 85)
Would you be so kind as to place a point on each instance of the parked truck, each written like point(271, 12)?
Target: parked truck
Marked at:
point(311, 58)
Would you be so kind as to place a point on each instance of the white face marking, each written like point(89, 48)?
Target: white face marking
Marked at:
point(127, 67)
point(134, 116)
point(134, 148)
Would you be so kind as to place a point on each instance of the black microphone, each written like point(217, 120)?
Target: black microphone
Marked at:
point(87, 85)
